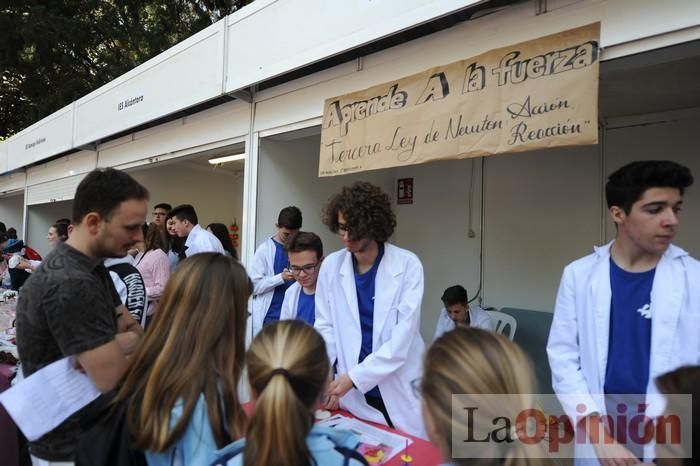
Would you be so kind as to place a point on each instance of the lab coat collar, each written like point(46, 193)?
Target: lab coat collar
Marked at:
point(672, 252)
point(666, 298)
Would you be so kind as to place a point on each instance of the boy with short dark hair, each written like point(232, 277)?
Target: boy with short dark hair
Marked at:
point(305, 252)
point(270, 273)
point(69, 308)
point(630, 311)
point(457, 311)
point(186, 225)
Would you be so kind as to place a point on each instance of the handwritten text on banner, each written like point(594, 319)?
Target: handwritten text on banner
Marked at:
point(538, 94)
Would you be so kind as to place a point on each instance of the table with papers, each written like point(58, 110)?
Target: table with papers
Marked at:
point(422, 452)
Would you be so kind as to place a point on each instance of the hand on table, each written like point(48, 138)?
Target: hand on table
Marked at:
point(340, 386)
point(332, 403)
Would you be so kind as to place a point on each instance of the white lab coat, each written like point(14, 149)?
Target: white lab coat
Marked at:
point(262, 273)
point(200, 240)
point(396, 359)
point(291, 301)
point(579, 336)
point(478, 318)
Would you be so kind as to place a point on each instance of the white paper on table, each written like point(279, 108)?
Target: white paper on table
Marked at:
point(45, 399)
point(368, 434)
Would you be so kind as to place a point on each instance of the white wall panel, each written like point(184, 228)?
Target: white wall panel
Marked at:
point(303, 99)
point(542, 210)
point(12, 182)
point(48, 137)
point(672, 139)
point(187, 74)
point(53, 191)
point(220, 125)
point(627, 21)
point(72, 164)
point(3, 156)
point(306, 31)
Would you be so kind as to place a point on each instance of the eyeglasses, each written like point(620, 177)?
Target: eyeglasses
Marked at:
point(342, 229)
point(415, 387)
point(307, 269)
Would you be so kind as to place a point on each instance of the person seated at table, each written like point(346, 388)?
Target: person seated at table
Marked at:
point(288, 372)
point(181, 387)
point(458, 312)
point(12, 252)
point(58, 233)
point(473, 361)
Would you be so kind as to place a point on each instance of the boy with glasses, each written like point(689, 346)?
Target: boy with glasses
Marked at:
point(305, 252)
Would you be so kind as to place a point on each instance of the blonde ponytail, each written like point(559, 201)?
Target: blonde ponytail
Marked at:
point(287, 369)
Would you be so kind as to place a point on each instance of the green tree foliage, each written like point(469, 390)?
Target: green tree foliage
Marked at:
point(53, 52)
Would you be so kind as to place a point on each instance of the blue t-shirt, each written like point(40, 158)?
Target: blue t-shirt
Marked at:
point(306, 308)
point(281, 263)
point(629, 346)
point(364, 283)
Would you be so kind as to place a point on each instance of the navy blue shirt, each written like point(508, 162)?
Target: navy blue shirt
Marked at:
point(629, 345)
point(281, 263)
point(306, 307)
point(364, 283)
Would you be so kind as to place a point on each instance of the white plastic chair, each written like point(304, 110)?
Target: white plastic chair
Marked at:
point(502, 322)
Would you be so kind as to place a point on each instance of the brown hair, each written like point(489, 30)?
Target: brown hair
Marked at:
point(305, 241)
point(682, 381)
point(287, 369)
point(194, 346)
point(156, 238)
point(473, 361)
point(367, 212)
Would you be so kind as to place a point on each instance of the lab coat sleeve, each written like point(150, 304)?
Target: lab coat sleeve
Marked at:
point(324, 318)
point(440, 327)
point(487, 322)
point(564, 352)
point(394, 352)
point(263, 283)
point(288, 312)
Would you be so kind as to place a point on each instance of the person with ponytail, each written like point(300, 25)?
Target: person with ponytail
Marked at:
point(471, 361)
point(288, 371)
point(181, 387)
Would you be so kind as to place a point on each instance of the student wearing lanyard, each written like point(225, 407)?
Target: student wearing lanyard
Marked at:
point(305, 251)
point(368, 299)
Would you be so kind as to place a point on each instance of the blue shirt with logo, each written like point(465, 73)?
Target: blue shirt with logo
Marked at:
point(629, 346)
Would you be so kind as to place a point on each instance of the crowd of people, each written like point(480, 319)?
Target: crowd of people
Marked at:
point(336, 331)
